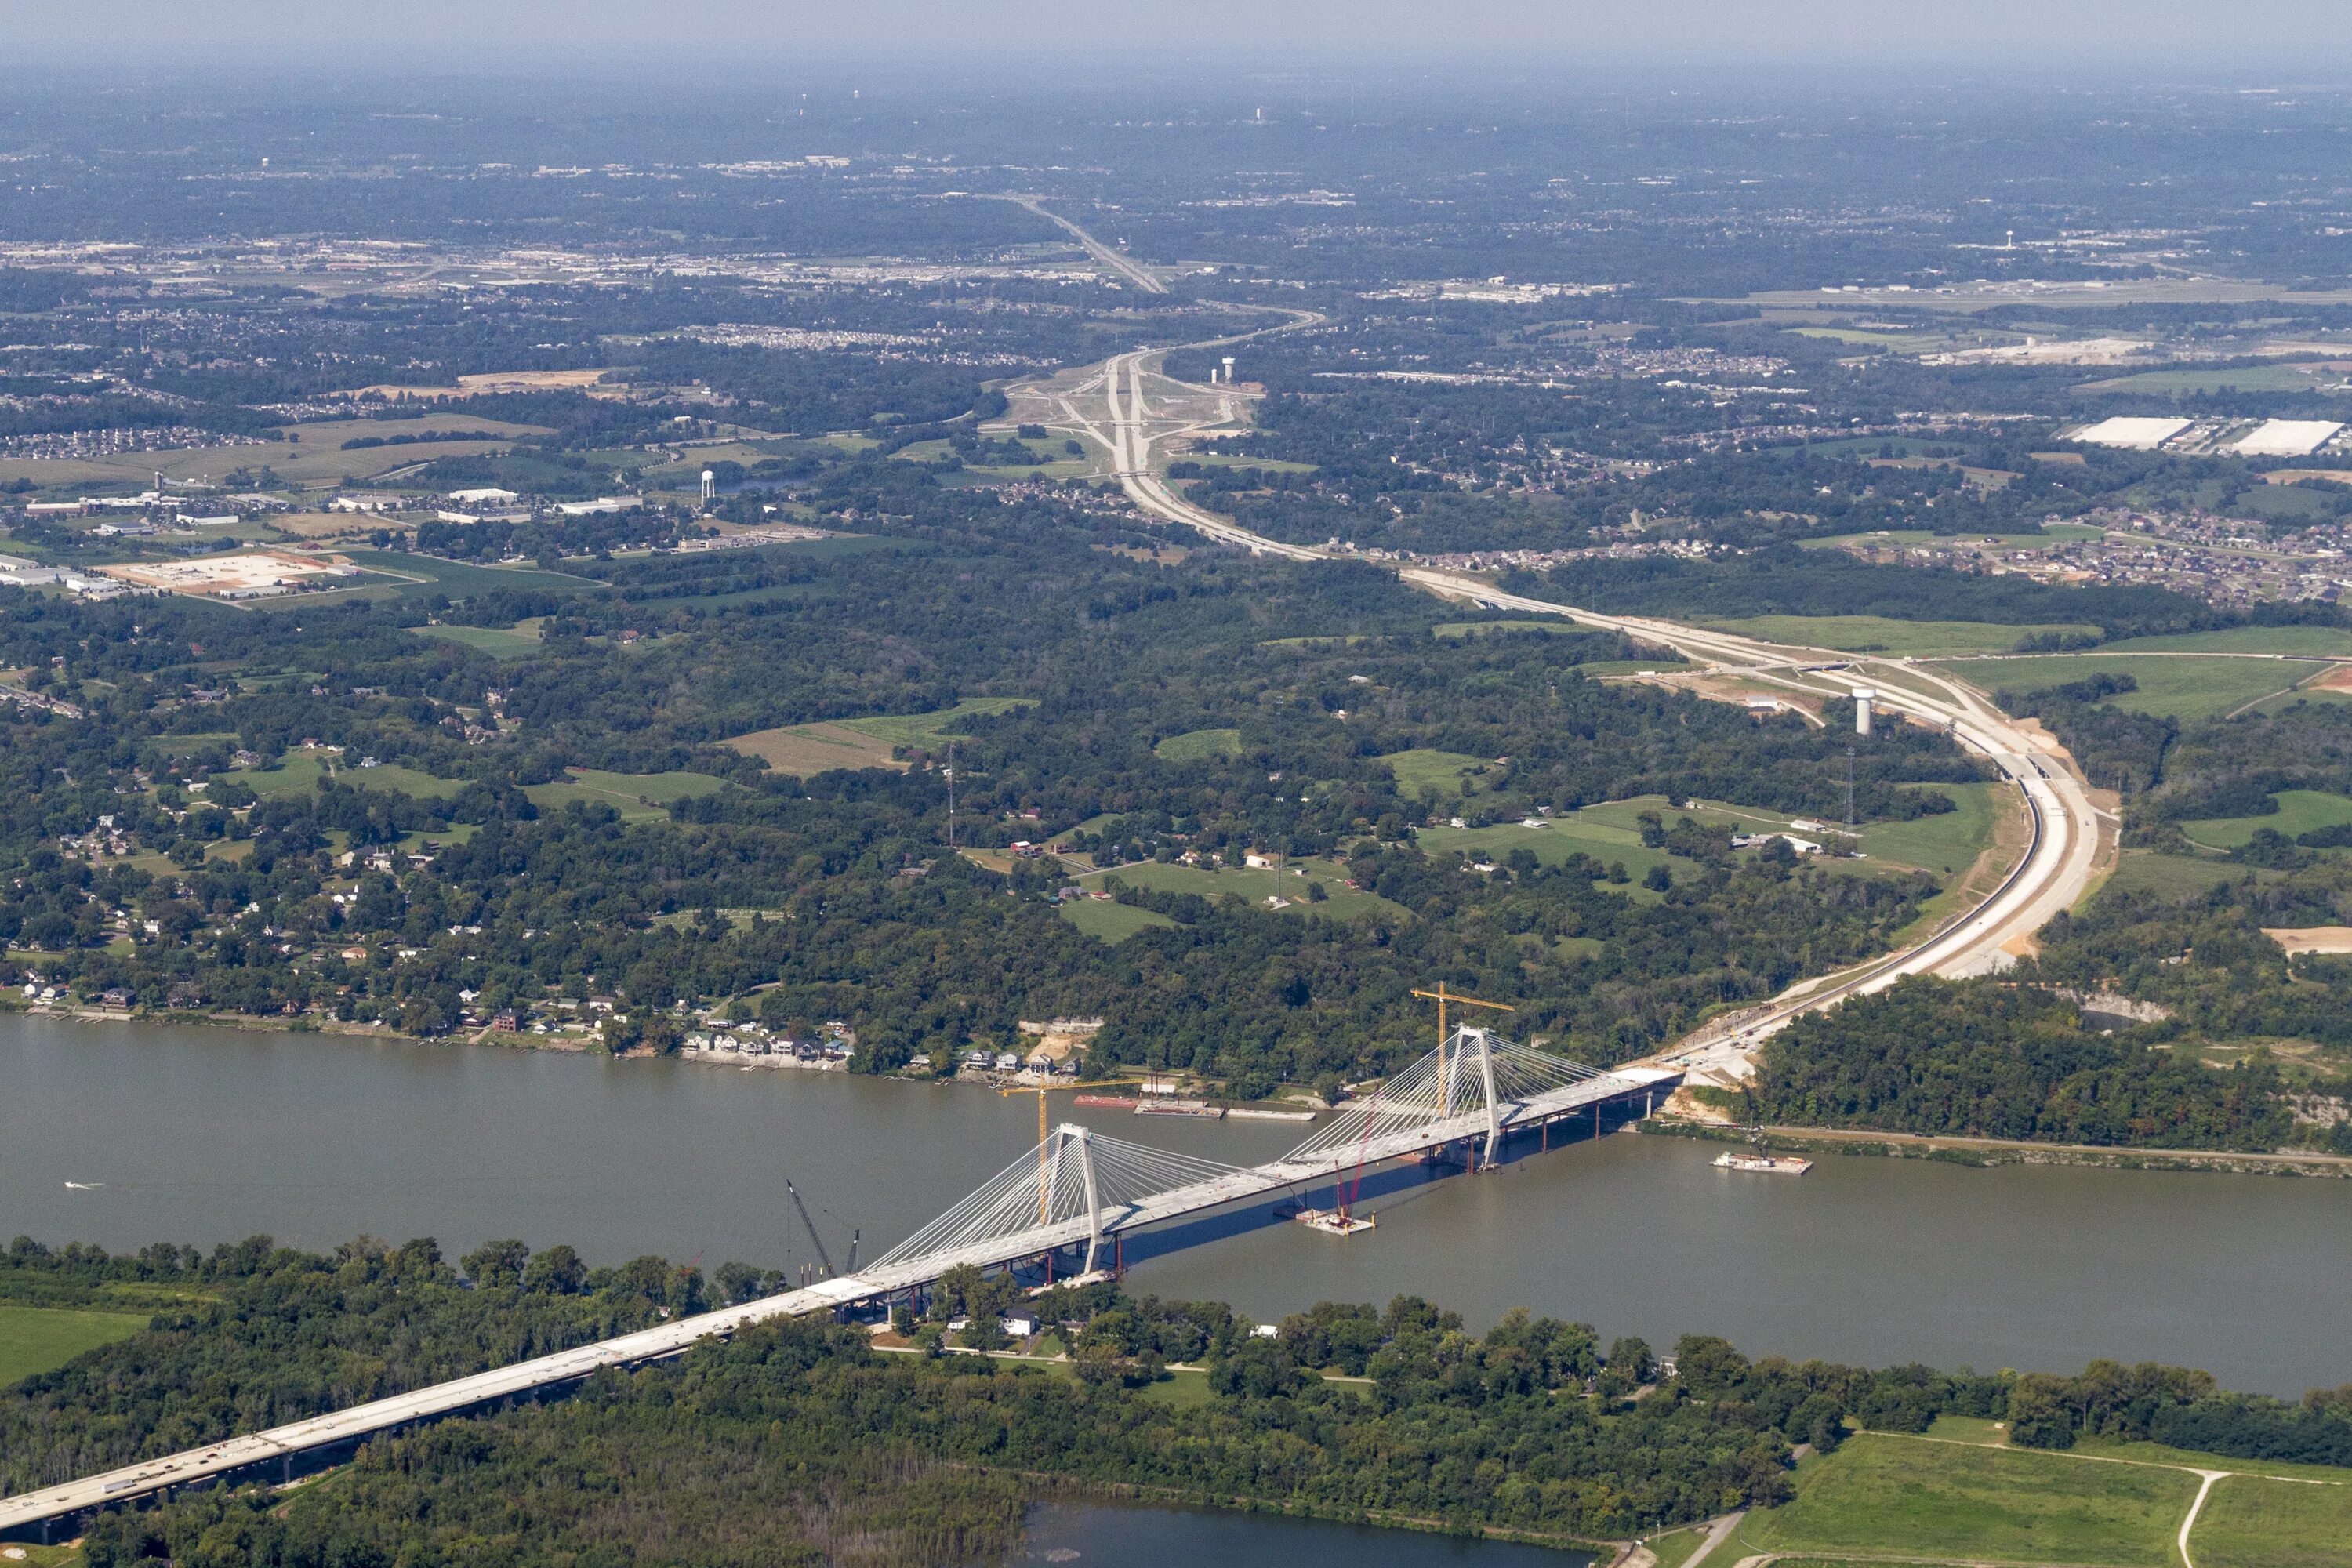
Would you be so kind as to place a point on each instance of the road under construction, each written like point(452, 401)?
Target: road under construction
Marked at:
point(1079, 1191)
point(1140, 409)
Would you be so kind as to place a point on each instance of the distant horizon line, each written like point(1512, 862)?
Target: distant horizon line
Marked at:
point(1198, 73)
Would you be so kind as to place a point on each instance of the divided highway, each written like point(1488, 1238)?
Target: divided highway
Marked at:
point(2063, 851)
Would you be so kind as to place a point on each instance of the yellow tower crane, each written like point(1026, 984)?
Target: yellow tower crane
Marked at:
point(1044, 1174)
point(1442, 996)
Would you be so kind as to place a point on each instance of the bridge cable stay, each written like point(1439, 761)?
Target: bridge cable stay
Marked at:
point(1437, 1089)
point(1077, 1174)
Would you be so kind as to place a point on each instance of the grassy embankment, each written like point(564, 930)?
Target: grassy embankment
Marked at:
point(1961, 1495)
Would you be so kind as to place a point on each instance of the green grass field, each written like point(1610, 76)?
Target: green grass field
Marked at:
point(1447, 772)
point(638, 798)
point(1674, 1547)
point(1256, 886)
point(1970, 1499)
point(2327, 641)
point(1936, 1500)
point(926, 728)
point(2299, 811)
point(1184, 1390)
point(1877, 634)
point(2251, 1522)
point(2183, 688)
point(1111, 922)
point(41, 1339)
point(1199, 746)
point(2176, 876)
point(1946, 845)
point(517, 641)
point(1609, 833)
point(299, 773)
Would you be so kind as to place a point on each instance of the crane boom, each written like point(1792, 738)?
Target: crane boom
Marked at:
point(810, 1226)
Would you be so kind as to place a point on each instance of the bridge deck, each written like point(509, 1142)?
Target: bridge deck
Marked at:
point(234, 1454)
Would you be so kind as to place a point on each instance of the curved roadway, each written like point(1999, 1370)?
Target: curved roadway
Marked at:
point(2055, 868)
point(2062, 852)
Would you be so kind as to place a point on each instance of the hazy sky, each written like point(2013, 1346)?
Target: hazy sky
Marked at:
point(2303, 40)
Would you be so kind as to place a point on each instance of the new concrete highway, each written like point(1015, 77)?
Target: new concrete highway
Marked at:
point(1117, 260)
point(2062, 848)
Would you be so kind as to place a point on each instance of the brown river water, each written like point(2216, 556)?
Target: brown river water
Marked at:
point(199, 1134)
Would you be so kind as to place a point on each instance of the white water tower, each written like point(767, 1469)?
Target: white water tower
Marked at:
point(1863, 698)
point(709, 484)
point(1229, 370)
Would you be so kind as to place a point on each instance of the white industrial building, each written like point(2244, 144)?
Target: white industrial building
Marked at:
point(600, 504)
point(2285, 437)
point(2140, 434)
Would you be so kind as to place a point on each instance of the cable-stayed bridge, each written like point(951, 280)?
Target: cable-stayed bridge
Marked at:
point(1073, 1196)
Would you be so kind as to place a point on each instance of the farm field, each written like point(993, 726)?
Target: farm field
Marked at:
point(517, 641)
point(2299, 811)
point(1423, 767)
point(1608, 832)
point(317, 458)
point(300, 772)
point(42, 1338)
point(2183, 688)
point(2329, 642)
point(805, 750)
point(1878, 633)
point(1199, 745)
point(1255, 886)
point(638, 798)
point(1110, 921)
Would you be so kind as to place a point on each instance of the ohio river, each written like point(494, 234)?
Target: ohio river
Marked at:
point(198, 1134)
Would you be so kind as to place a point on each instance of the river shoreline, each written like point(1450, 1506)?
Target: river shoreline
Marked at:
point(1981, 1152)
point(1988, 1152)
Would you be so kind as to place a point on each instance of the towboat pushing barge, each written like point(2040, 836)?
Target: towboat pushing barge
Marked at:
point(1762, 1163)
